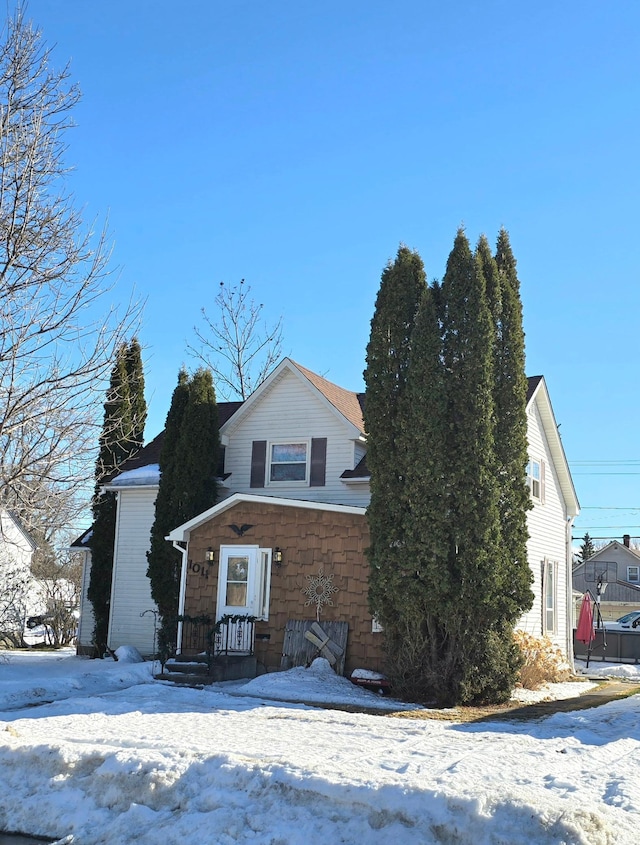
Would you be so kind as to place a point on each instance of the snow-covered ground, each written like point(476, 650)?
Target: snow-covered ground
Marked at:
point(108, 755)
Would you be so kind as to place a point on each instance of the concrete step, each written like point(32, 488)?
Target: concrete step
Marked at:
point(188, 667)
point(183, 679)
point(195, 671)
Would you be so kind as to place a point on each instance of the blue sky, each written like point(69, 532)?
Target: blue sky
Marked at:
point(296, 144)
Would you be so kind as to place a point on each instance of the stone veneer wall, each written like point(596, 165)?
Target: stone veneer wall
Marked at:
point(311, 540)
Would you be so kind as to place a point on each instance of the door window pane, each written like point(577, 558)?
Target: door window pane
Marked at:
point(237, 577)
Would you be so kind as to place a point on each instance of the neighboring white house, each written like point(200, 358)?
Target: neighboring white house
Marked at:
point(16, 582)
point(86, 623)
point(300, 437)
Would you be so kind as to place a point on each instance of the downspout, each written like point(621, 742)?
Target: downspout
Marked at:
point(182, 548)
point(569, 559)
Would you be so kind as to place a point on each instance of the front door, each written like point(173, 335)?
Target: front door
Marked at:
point(243, 590)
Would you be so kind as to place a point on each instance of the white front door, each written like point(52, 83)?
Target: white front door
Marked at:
point(243, 590)
point(244, 582)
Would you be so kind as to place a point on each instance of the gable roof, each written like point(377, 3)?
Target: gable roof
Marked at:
point(345, 404)
point(616, 545)
point(537, 393)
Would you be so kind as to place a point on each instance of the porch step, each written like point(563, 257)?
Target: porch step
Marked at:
point(187, 665)
point(183, 679)
point(194, 671)
point(187, 671)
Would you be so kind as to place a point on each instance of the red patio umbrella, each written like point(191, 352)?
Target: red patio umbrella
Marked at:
point(584, 632)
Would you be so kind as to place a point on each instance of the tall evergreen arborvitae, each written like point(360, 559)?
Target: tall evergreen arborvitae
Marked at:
point(511, 432)
point(402, 284)
point(475, 665)
point(125, 413)
point(188, 464)
point(416, 636)
point(163, 559)
point(457, 584)
point(137, 403)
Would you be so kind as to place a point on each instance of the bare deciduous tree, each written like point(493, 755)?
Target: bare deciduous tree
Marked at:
point(59, 577)
point(58, 331)
point(238, 348)
point(15, 583)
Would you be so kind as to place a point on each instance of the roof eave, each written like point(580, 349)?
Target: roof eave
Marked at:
point(541, 396)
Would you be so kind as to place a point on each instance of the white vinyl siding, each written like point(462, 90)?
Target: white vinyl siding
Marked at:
point(131, 589)
point(547, 541)
point(86, 623)
point(290, 412)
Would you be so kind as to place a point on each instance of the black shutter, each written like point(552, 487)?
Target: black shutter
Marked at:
point(258, 463)
point(318, 461)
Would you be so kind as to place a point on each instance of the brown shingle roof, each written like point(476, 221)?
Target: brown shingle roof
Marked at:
point(346, 401)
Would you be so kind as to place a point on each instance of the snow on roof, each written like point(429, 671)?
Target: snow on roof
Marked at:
point(140, 477)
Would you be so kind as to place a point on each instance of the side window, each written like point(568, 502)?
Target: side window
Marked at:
point(549, 594)
point(633, 574)
point(536, 479)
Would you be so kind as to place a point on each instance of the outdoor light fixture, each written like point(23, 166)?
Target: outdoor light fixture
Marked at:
point(208, 555)
point(277, 557)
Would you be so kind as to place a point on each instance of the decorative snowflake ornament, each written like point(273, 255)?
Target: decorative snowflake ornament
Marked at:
point(319, 590)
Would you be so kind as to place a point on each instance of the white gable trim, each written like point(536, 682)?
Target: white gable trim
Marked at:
point(182, 532)
point(7, 515)
point(541, 398)
point(286, 365)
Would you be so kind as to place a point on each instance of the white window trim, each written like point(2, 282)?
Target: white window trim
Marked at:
point(635, 580)
point(550, 570)
point(531, 481)
point(286, 442)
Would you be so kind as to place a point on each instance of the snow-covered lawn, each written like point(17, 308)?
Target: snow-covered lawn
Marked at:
point(111, 756)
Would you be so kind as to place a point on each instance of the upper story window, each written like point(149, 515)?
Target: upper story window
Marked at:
point(534, 479)
point(288, 462)
point(633, 574)
point(301, 462)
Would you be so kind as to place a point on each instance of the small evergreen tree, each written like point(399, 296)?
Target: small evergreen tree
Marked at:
point(587, 549)
point(188, 464)
point(125, 413)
